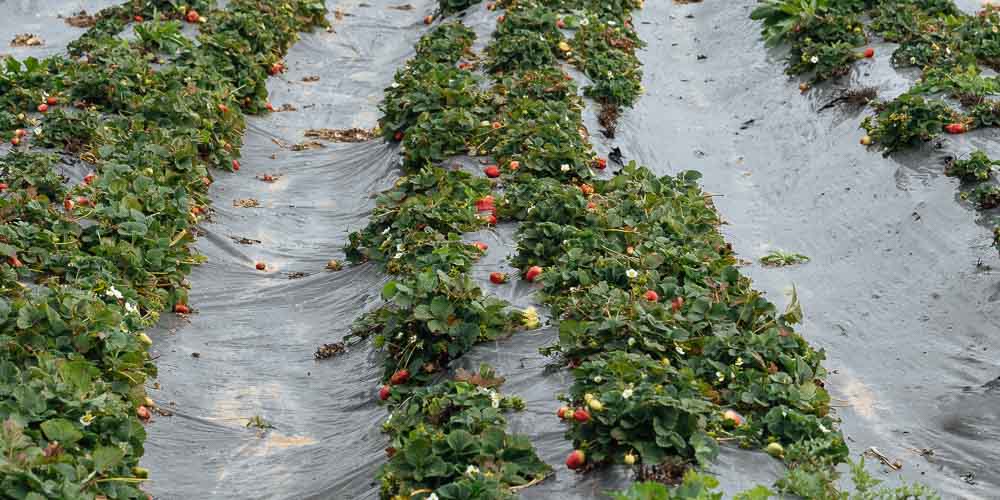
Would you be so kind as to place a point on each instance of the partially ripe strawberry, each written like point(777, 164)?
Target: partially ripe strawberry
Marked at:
point(491, 220)
point(869, 52)
point(652, 296)
point(14, 141)
point(143, 413)
point(563, 412)
point(601, 163)
point(498, 278)
point(428, 19)
point(591, 205)
point(533, 273)
point(20, 132)
point(733, 417)
point(3, 186)
point(481, 246)
point(581, 415)
point(400, 377)
point(560, 23)
point(89, 178)
point(496, 125)
point(236, 165)
point(68, 204)
point(269, 107)
point(52, 100)
point(586, 189)
point(866, 140)
point(492, 171)
point(276, 68)
point(501, 18)
point(223, 108)
point(192, 16)
point(261, 266)
point(677, 304)
point(576, 459)
point(42, 108)
point(82, 201)
point(138, 19)
point(384, 392)
point(14, 262)
point(514, 165)
point(182, 309)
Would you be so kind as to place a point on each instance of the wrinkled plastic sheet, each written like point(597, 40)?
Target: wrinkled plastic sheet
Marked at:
point(893, 292)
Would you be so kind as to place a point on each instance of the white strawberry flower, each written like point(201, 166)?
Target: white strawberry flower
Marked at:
point(564, 167)
point(113, 292)
point(814, 59)
point(632, 274)
point(471, 470)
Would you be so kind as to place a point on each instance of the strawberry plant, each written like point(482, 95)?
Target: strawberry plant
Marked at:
point(87, 266)
point(977, 167)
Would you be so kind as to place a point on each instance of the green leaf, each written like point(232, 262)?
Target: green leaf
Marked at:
point(62, 430)
point(106, 457)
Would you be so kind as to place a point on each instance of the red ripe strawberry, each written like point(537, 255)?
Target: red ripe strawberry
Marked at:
point(236, 165)
point(52, 100)
point(82, 201)
point(20, 132)
point(514, 165)
point(14, 141)
point(677, 304)
point(192, 16)
point(43, 108)
point(601, 163)
point(955, 128)
point(496, 125)
point(491, 220)
point(576, 459)
point(501, 18)
point(498, 278)
point(533, 273)
point(581, 415)
point(398, 136)
point(68, 204)
point(481, 246)
point(276, 68)
point(869, 52)
point(182, 309)
point(492, 171)
point(563, 412)
point(652, 296)
point(89, 178)
point(3, 186)
point(138, 19)
point(269, 107)
point(591, 205)
point(400, 377)
point(384, 392)
point(485, 204)
point(206, 181)
point(560, 23)
point(223, 108)
point(261, 266)
point(143, 413)
point(14, 262)
point(428, 19)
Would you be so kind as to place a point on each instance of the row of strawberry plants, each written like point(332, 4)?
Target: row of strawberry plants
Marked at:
point(949, 47)
point(447, 437)
point(670, 346)
point(90, 262)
